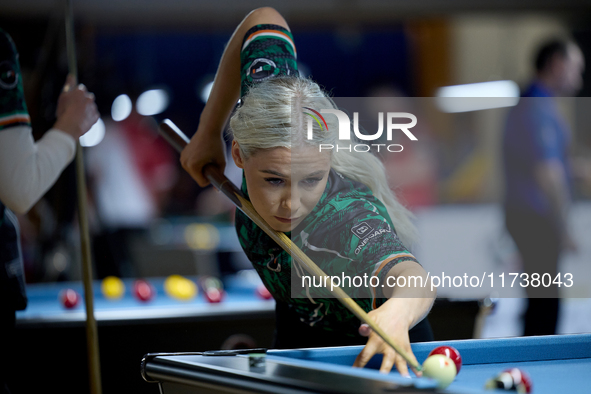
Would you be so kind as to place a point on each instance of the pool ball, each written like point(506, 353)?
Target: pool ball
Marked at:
point(170, 284)
point(512, 379)
point(441, 368)
point(214, 295)
point(263, 293)
point(143, 290)
point(213, 289)
point(69, 298)
point(180, 287)
point(112, 288)
point(208, 282)
point(185, 289)
point(450, 352)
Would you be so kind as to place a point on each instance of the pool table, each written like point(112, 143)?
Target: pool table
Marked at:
point(129, 328)
point(44, 307)
point(555, 364)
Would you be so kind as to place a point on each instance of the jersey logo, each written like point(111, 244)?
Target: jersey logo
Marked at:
point(369, 235)
point(8, 75)
point(362, 230)
point(261, 69)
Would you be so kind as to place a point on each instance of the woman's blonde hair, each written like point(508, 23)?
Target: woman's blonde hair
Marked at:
point(271, 115)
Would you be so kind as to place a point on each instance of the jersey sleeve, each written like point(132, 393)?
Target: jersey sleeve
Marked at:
point(267, 51)
point(13, 107)
point(358, 241)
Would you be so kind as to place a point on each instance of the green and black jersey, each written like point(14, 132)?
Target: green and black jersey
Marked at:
point(349, 232)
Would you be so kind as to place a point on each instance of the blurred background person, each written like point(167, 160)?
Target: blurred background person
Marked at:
point(132, 171)
point(538, 177)
point(27, 170)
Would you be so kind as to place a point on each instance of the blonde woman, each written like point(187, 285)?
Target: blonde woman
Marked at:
point(336, 207)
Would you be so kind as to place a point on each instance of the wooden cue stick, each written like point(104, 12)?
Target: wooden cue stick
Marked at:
point(179, 140)
point(91, 327)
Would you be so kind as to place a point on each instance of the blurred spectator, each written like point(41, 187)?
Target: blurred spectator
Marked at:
point(132, 172)
point(27, 170)
point(538, 176)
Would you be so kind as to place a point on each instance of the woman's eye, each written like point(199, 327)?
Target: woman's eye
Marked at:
point(311, 181)
point(274, 181)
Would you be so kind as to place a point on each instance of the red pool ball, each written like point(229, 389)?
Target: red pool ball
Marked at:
point(263, 292)
point(69, 298)
point(214, 295)
point(450, 352)
point(143, 290)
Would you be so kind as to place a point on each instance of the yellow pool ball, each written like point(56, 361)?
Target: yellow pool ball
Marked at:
point(179, 287)
point(170, 284)
point(112, 288)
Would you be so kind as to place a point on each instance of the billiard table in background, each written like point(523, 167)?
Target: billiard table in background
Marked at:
point(556, 364)
point(52, 344)
point(128, 329)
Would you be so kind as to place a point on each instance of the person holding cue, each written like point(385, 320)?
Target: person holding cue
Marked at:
point(28, 168)
point(325, 201)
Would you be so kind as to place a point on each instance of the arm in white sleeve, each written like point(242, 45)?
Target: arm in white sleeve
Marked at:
point(29, 169)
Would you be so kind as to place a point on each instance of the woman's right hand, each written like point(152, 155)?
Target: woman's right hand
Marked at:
point(207, 145)
point(204, 148)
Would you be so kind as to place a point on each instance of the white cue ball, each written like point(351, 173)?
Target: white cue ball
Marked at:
point(441, 368)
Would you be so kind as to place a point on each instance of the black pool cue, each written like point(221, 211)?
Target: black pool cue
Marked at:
point(91, 328)
point(179, 140)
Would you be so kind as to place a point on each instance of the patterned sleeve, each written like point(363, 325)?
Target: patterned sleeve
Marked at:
point(13, 108)
point(267, 51)
point(358, 240)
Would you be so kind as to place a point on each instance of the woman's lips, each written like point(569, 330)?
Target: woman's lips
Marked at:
point(283, 220)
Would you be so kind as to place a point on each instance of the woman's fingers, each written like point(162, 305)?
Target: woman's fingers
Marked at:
point(366, 354)
point(203, 149)
point(401, 366)
point(388, 362)
point(390, 357)
point(364, 330)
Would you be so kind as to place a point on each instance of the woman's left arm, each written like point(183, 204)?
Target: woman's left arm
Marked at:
point(407, 305)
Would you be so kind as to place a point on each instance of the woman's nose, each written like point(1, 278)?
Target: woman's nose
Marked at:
point(291, 201)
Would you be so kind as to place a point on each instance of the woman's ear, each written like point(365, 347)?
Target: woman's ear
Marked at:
point(236, 155)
